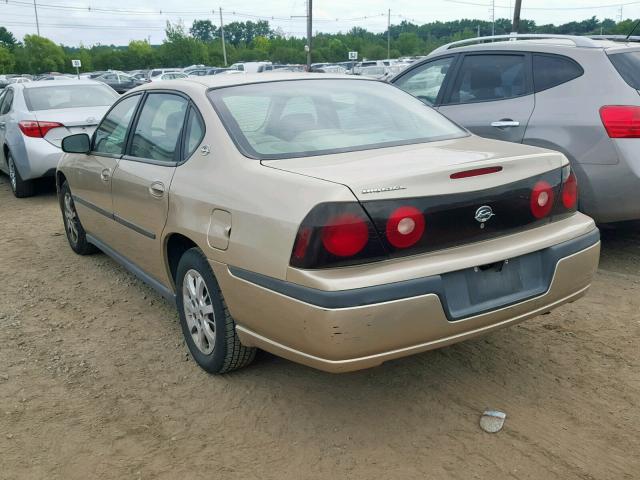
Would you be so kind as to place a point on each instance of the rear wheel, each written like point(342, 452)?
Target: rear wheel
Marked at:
point(208, 328)
point(76, 235)
point(20, 188)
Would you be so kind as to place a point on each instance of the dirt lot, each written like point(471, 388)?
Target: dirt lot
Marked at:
point(95, 382)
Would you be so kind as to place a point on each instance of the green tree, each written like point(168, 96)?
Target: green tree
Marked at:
point(7, 60)
point(139, 54)
point(39, 55)
point(180, 50)
point(7, 39)
point(203, 30)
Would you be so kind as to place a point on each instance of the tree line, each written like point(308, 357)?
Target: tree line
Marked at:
point(257, 41)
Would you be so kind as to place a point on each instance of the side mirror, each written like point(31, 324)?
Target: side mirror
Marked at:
point(78, 143)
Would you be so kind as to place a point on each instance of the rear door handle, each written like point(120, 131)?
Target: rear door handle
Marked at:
point(157, 189)
point(507, 123)
point(105, 175)
point(2, 125)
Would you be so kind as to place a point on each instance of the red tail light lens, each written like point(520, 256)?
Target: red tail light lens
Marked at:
point(37, 129)
point(570, 192)
point(621, 121)
point(345, 235)
point(541, 199)
point(405, 227)
point(336, 234)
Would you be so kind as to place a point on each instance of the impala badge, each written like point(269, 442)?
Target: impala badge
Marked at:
point(484, 214)
point(392, 188)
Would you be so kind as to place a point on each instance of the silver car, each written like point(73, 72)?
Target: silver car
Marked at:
point(576, 95)
point(36, 116)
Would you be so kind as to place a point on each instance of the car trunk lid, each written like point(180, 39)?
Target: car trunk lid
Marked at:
point(425, 169)
point(73, 120)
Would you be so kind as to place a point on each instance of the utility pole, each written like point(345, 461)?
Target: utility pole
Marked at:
point(35, 8)
point(309, 32)
point(515, 26)
point(389, 34)
point(621, 12)
point(478, 31)
point(493, 17)
point(224, 47)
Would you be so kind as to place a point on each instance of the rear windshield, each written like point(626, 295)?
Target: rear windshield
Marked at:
point(628, 65)
point(68, 96)
point(301, 118)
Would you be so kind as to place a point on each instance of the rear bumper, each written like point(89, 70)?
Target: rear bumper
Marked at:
point(339, 331)
point(41, 159)
point(611, 193)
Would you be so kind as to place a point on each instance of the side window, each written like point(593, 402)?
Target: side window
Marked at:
point(426, 80)
point(158, 129)
point(111, 135)
point(552, 70)
point(2, 94)
point(6, 102)
point(194, 133)
point(489, 77)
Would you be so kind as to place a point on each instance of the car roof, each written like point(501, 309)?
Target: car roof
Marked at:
point(217, 81)
point(561, 43)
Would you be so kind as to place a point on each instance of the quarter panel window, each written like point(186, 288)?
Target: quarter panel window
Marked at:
point(425, 82)
point(111, 135)
point(628, 66)
point(158, 129)
point(489, 77)
point(552, 70)
point(195, 132)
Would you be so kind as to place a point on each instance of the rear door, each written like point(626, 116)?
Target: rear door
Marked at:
point(143, 177)
point(6, 97)
point(491, 94)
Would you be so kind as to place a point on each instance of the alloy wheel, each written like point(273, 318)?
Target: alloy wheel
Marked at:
point(198, 311)
point(70, 218)
point(12, 174)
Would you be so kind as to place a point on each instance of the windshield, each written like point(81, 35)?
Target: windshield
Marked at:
point(628, 66)
point(302, 118)
point(68, 96)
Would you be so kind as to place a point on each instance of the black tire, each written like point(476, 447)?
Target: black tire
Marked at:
point(78, 241)
point(227, 352)
point(20, 188)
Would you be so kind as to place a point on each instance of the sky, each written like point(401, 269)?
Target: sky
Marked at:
point(88, 22)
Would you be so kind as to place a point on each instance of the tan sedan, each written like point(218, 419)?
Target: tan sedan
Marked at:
point(332, 220)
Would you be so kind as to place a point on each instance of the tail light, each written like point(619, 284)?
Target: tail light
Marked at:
point(621, 121)
point(542, 198)
point(345, 235)
point(405, 227)
point(37, 129)
point(336, 234)
point(569, 189)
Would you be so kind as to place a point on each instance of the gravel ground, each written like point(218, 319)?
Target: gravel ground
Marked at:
point(95, 382)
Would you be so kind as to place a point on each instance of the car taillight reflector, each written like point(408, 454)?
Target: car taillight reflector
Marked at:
point(345, 235)
point(405, 227)
point(570, 191)
point(475, 172)
point(621, 121)
point(541, 199)
point(37, 129)
point(302, 243)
